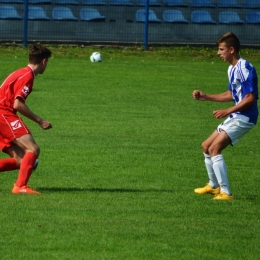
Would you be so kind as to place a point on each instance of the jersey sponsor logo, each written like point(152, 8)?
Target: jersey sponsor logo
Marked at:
point(16, 124)
point(26, 90)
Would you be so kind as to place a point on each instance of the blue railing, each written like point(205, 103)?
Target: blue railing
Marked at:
point(145, 22)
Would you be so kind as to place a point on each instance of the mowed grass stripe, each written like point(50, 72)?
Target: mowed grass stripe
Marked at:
point(118, 169)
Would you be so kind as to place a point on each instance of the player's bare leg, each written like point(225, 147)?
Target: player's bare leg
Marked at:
point(15, 152)
point(213, 186)
point(31, 152)
point(215, 165)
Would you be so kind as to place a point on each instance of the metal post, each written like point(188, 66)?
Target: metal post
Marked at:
point(25, 23)
point(146, 25)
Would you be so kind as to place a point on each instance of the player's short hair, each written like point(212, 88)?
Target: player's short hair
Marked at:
point(38, 53)
point(231, 40)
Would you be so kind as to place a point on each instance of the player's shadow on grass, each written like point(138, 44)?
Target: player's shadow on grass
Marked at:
point(119, 190)
point(253, 197)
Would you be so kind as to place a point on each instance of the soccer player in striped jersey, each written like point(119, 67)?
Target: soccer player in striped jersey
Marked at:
point(241, 117)
point(15, 138)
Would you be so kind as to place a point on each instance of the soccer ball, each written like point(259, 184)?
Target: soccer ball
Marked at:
point(96, 57)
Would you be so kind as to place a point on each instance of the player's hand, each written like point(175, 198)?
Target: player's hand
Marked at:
point(220, 113)
point(45, 124)
point(198, 95)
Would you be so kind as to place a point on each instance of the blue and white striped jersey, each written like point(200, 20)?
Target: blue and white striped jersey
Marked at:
point(243, 80)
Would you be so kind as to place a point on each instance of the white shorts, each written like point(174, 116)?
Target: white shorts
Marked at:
point(235, 128)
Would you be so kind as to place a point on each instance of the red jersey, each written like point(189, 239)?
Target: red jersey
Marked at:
point(17, 84)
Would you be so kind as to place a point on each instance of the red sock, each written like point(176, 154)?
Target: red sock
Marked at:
point(26, 169)
point(8, 164)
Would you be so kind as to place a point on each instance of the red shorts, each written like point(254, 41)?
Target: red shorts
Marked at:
point(11, 127)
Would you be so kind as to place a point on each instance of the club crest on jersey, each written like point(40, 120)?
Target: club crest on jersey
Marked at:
point(26, 90)
point(16, 124)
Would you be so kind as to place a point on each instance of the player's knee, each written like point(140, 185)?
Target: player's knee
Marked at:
point(18, 161)
point(35, 149)
point(205, 147)
point(213, 150)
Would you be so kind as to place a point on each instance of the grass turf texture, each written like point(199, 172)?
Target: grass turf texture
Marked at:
point(118, 169)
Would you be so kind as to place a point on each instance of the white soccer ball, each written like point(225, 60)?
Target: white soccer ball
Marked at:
point(96, 57)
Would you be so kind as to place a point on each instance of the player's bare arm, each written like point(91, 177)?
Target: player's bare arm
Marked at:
point(23, 109)
point(244, 104)
point(223, 97)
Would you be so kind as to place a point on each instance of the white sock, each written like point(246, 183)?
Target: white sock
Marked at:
point(220, 170)
point(213, 182)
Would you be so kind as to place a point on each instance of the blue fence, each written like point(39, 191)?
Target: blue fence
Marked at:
point(129, 21)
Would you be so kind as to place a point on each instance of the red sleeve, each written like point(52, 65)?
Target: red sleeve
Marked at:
point(23, 86)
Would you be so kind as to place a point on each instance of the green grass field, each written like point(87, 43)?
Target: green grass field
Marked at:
point(118, 169)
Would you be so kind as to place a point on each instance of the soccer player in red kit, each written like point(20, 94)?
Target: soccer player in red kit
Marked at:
point(15, 138)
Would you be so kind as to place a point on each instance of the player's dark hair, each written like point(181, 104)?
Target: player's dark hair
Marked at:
point(38, 53)
point(231, 40)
